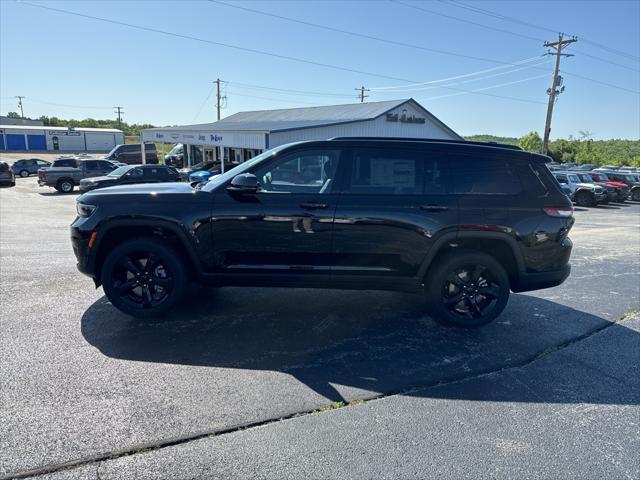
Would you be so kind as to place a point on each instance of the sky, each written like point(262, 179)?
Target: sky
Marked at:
point(479, 66)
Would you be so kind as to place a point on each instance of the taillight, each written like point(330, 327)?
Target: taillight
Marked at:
point(10, 170)
point(561, 212)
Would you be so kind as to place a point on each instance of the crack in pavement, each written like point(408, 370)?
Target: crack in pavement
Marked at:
point(178, 440)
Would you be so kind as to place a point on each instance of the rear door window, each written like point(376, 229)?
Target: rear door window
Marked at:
point(483, 175)
point(383, 171)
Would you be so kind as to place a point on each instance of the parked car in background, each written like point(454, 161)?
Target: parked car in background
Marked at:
point(206, 175)
point(66, 173)
point(7, 177)
point(611, 195)
point(630, 179)
point(175, 158)
point(186, 172)
point(566, 190)
point(131, 153)
point(622, 190)
point(584, 194)
point(25, 167)
point(461, 229)
point(131, 174)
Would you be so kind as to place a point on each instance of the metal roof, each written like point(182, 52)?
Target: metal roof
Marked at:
point(295, 118)
point(77, 129)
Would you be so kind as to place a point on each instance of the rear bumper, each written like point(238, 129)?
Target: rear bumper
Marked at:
point(536, 281)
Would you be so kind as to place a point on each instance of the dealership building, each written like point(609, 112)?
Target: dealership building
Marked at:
point(63, 139)
point(243, 135)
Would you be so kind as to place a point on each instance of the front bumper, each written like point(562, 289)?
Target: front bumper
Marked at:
point(599, 197)
point(80, 244)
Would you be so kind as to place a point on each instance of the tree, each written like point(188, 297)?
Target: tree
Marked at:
point(13, 115)
point(531, 142)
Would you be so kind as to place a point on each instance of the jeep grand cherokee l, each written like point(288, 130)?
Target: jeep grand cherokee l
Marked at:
point(458, 222)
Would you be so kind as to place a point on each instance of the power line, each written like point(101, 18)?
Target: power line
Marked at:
point(478, 90)
point(203, 104)
point(466, 75)
point(212, 42)
point(471, 22)
point(611, 85)
point(482, 11)
point(362, 35)
point(275, 55)
point(69, 106)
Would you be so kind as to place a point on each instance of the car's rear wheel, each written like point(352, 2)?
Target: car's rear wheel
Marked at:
point(144, 277)
point(584, 199)
point(65, 185)
point(467, 289)
point(635, 195)
point(24, 173)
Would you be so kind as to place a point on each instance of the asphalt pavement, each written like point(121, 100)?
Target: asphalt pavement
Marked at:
point(231, 383)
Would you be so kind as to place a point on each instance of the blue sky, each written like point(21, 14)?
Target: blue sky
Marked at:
point(64, 64)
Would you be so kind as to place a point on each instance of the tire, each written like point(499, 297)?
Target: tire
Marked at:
point(466, 289)
point(635, 195)
point(584, 199)
point(65, 185)
point(138, 288)
point(24, 173)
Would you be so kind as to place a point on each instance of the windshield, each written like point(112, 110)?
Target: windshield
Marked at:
point(118, 172)
point(243, 167)
point(176, 150)
point(603, 177)
point(586, 178)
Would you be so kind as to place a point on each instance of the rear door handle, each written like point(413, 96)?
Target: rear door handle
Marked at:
point(313, 206)
point(434, 208)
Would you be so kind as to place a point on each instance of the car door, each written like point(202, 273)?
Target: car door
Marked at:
point(393, 206)
point(286, 227)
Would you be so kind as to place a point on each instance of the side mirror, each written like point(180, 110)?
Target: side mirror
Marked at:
point(244, 184)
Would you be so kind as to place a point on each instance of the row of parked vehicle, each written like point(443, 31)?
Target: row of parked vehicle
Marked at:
point(588, 188)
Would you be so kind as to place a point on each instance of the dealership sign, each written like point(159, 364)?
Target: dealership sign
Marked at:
point(404, 118)
point(187, 137)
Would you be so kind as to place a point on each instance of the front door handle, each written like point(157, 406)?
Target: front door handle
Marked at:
point(434, 208)
point(313, 206)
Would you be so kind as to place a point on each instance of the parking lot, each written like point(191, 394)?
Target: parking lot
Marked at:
point(243, 382)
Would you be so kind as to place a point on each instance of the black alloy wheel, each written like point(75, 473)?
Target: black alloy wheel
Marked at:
point(144, 277)
point(467, 289)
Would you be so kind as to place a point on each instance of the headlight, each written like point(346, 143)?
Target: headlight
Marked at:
point(84, 210)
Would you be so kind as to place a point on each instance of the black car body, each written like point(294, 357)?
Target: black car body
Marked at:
point(131, 174)
point(175, 157)
point(438, 217)
point(131, 153)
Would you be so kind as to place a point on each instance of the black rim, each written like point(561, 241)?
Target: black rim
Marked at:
point(471, 292)
point(142, 280)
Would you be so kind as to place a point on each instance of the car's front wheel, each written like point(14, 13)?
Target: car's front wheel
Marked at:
point(467, 289)
point(24, 173)
point(144, 277)
point(585, 199)
point(65, 185)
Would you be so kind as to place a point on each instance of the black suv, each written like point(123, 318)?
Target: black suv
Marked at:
point(459, 222)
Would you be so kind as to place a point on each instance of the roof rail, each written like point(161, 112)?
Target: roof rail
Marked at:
point(432, 140)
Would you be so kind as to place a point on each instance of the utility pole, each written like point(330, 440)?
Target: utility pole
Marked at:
point(219, 98)
point(556, 85)
point(362, 96)
point(20, 97)
point(119, 111)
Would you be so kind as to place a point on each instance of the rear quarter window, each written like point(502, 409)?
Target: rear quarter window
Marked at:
point(483, 175)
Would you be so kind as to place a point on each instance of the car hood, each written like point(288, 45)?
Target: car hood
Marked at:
point(102, 179)
point(169, 192)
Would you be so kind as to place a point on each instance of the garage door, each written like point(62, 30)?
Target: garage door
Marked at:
point(98, 142)
point(1, 142)
point(37, 142)
point(16, 141)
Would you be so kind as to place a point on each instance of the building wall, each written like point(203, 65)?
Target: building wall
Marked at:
point(380, 127)
point(15, 138)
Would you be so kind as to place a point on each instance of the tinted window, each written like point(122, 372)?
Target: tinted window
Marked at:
point(104, 165)
point(574, 178)
point(395, 172)
point(310, 171)
point(482, 175)
point(155, 173)
point(43, 163)
point(92, 165)
point(67, 162)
